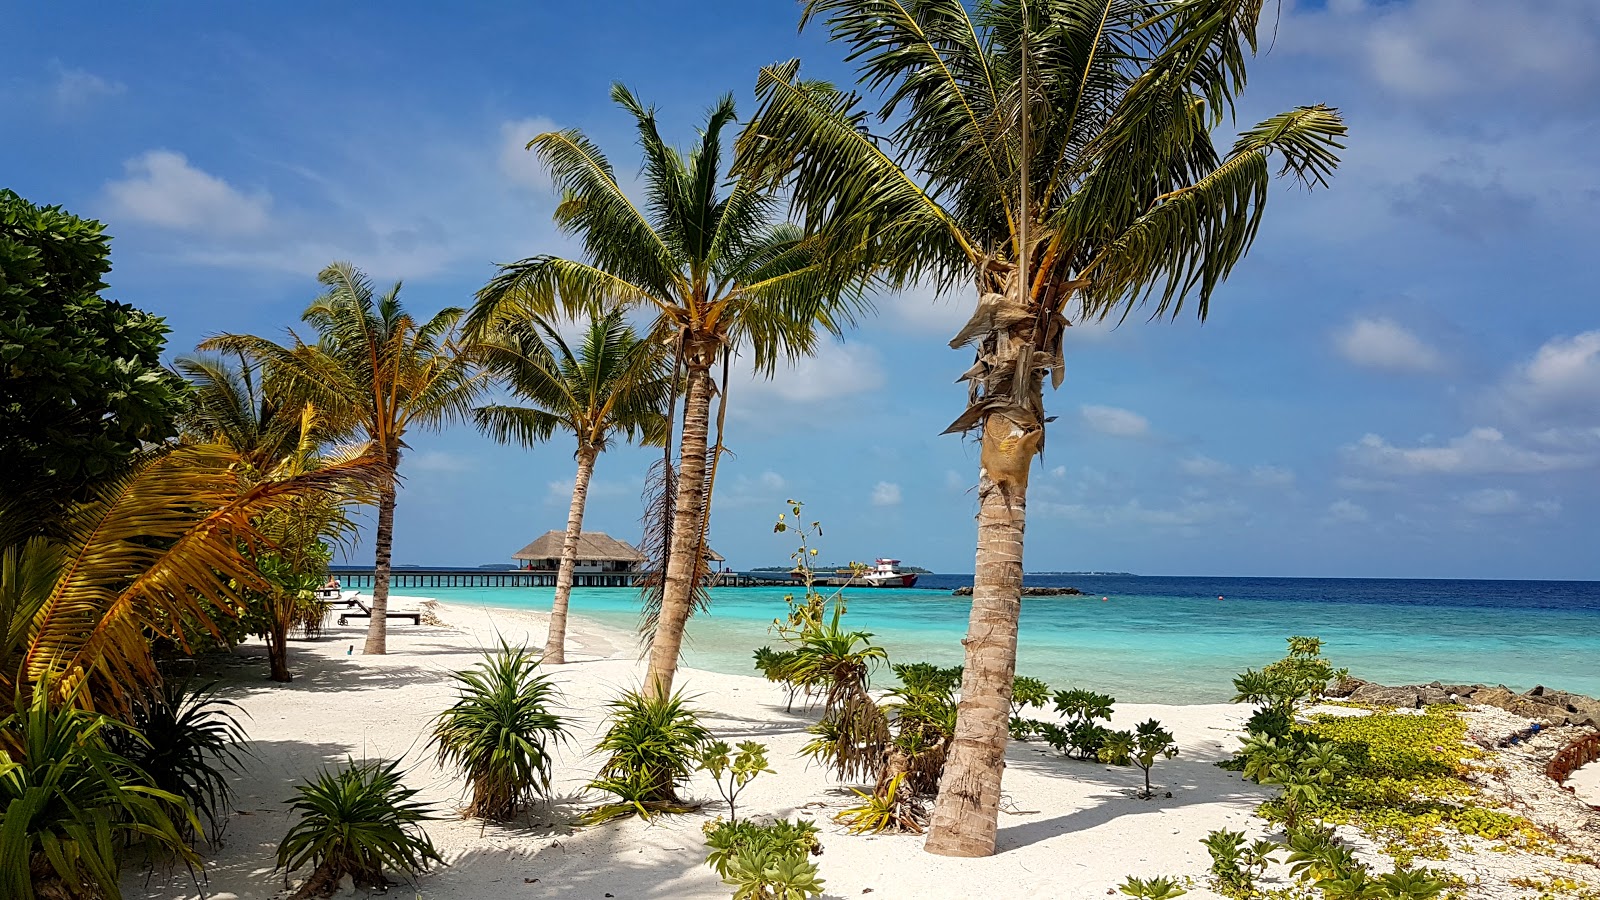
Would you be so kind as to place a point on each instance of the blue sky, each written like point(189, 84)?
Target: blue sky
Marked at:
point(1402, 380)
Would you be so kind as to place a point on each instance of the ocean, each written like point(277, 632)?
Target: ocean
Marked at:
point(1171, 640)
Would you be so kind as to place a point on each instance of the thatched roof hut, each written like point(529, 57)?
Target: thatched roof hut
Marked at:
point(597, 551)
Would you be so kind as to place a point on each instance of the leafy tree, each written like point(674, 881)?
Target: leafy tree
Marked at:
point(374, 372)
point(1057, 157)
point(718, 759)
point(613, 386)
point(1140, 747)
point(81, 383)
point(706, 254)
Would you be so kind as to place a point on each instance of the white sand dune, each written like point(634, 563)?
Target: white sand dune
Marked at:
point(1070, 829)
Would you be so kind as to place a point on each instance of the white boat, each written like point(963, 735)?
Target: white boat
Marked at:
point(888, 574)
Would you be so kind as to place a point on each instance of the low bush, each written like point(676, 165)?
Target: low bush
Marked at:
point(765, 862)
point(356, 821)
point(499, 730)
point(654, 744)
point(1235, 863)
point(718, 759)
point(1080, 736)
point(1158, 888)
point(1141, 747)
point(1026, 692)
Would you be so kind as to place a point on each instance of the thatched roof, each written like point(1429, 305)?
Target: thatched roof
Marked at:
point(591, 545)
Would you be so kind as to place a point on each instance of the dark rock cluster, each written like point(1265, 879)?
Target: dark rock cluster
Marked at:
point(1545, 704)
point(1029, 592)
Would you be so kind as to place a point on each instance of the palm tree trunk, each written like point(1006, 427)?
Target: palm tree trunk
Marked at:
point(278, 641)
point(377, 629)
point(555, 644)
point(967, 813)
point(682, 566)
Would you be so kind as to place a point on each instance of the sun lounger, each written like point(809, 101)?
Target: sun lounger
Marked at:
point(366, 612)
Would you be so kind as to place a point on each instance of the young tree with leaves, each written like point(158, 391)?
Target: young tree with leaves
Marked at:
point(1056, 157)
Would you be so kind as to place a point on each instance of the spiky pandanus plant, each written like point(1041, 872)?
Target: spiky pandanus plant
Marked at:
point(709, 256)
point(614, 386)
point(375, 372)
point(1056, 158)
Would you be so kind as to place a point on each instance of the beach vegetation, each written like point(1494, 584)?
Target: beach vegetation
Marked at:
point(373, 372)
point(1158, 887)
point(358, 820)
point(1081, 735)
point(740, 768)
point(1079, 207)
point(652, 745)
point(1279, 687)
point(71, 804)
point(1236, 863)
point(613, 386)
point(186, 741)
point(1142, 747)
point(500, 732)
point(708, 255)
point(889, 808)
point(769, 861)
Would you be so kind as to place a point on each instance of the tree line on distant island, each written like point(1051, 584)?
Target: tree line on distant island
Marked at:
point(1055, 161)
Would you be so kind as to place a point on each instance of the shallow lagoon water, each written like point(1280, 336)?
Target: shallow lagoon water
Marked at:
point(1170, 640)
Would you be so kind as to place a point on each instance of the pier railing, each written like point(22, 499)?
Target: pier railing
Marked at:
point(410, 577)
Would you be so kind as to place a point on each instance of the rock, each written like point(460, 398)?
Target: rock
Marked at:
point(1402, 697)
point(1345, 686)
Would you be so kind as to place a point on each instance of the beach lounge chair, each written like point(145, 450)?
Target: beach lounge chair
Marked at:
point(363, 611)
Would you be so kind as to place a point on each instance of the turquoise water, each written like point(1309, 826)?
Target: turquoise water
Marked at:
point(1170, 640)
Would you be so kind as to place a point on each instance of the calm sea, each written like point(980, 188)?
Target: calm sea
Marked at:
point(1171, 640)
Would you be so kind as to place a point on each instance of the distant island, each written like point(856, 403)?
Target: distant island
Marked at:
point(1126, 574)
point(916, 569)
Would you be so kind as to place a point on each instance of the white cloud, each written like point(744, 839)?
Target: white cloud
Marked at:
point(835, 370)
point(517, 163)
point(886, 493)
point(163, 189)
point(1560, 382)
point(1203, 467)
point(1190, 512)
point(921, 310)
point(74, 89)
point(1506, 502)
point(1116, 422)
point(1480, 451)
point(1271, 476)
point(1381, 343)
point(771, 480)
point(1343, 512)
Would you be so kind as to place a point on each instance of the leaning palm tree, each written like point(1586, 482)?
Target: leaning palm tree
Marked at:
point(1055, 157)
point(710, 258)
point(613, 386)
point(375, 372)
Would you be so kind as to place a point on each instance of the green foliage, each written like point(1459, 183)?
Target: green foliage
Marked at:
point(499, 730)
point(1279, 686)
point(654, 744)
point(1140, 747)
point(70, 803)
point(1081, 737)
point(1159, 887)
point(83, 385)
point(356, 821)
point(1315, 854)
point(186, 741)
point(924, 677)
point(762, 875)
point(1235, 863)
point(1026, 692)
point(782, 839)
point(880, 811)
point(1304, 768)
point(717, 759)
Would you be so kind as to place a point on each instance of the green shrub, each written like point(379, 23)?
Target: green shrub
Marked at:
point(1026, 692)
point(499, 730)
point(356, 821)
point(1158, 888)
point(70, 803)
point(1080, 737)
point(741, 768)
point(654, 744)
point(1235, 864)
point(186, 741)
point(887, 808)
point(1141, 747)
point(765, 862)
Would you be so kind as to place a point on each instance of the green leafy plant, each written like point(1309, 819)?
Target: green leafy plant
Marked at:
point(783, 839)
point(654, 744)
point(1305, 769)
point(185, 740)
point(70, 803)
point(1081, 736)
point(1140, 747)
point(741, 768)
point(499, 730)
point(763, 875)
point(1235, 863)
point(1278, 687)
point(358, 821)
point(1026, 692)
point(882, 810)
point(1158, 888)
point(1315, 854)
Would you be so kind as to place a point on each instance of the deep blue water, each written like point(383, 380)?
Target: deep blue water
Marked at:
point(1167, 639)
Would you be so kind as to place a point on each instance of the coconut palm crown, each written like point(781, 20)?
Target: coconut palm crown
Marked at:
point(1056, 157)
point(614, 385)
point(709, 256)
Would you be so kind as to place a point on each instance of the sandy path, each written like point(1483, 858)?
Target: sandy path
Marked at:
point(1071, 829)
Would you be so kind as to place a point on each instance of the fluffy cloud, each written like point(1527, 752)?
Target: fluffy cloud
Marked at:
point(1561, 383)
point(1115, 422)
point(835, 370)
point(1481, 451)
point(75, 89)
point(886, 493)
point(517, 163)
point(163, 189)
point(1383, 344)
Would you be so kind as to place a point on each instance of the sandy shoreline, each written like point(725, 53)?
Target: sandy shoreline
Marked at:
point(1070, 829)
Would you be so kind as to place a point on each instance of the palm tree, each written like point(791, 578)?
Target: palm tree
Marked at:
point(716, 267)
point(1055, 156)
point(231, 405)
point(613, 386)
point(376, 372)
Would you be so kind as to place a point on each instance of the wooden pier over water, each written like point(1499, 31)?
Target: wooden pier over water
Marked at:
point(411, 577)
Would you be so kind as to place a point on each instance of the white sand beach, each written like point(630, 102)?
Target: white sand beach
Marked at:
point(1069, 830)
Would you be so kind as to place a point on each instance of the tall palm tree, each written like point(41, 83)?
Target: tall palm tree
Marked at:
point(376, 372)
point(614, 385)
point(1055, 157)
point(710, 257)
